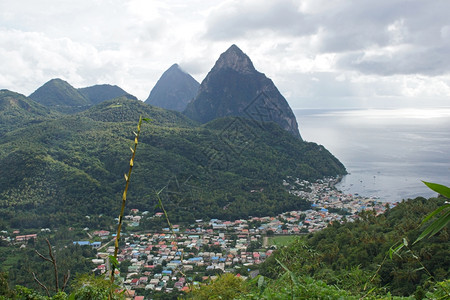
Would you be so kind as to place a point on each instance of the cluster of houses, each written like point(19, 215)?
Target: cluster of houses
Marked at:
point(167, 261)
point(172, 258)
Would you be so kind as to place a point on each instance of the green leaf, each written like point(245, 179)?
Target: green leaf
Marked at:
point(435, 227)
point(395, 250)
point(71, 297)
point(439, 188)
point(291, 274)
point(436, 211)
point(260, 282)
point(113, 261)
point(442, 221)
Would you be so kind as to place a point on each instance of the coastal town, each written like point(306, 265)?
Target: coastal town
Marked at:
point(172, 259)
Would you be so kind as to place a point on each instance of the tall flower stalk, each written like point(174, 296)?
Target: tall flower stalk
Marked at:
point(113, 259)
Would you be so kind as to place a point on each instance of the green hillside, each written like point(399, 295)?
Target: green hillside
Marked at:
point(17, 111)
point(59, 95)
point(128, 109)
point(354, 256)
point(101, 92)
point(74, 165)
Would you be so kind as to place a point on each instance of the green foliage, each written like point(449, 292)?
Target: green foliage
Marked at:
point(18, 111)
point(443, 220)
point(90, 287)
point(439, 291)
point(227, 286)
point(49, 168)
point(60, 96)
point(74, 258)
point(5, 291)
point(102, 92)
point(352, 256)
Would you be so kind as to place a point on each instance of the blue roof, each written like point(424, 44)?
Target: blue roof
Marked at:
point(195, 259)
point(87, 243)
point(166, 272)
point(82, 243)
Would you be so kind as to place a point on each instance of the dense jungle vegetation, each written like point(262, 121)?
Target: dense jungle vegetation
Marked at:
point(68, 166)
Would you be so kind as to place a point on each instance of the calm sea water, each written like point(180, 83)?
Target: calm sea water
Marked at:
point(386, 151)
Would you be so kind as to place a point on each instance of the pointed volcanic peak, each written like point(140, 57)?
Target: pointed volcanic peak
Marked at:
point(102, 92)
point(17, 111)
point(59, 95)
point(234, 87)
point(174, 90)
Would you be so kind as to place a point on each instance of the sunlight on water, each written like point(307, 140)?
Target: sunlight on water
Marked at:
point(408, 113)
point(387, 151)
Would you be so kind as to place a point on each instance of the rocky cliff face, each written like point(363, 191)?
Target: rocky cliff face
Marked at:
point(173, 90)
point(234, 87)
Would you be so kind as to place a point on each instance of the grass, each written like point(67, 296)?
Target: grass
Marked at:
point(282, 240)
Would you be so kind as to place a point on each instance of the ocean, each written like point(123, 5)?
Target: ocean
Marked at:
point(388, 152)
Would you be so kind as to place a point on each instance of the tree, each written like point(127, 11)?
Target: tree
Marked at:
point(227, 286)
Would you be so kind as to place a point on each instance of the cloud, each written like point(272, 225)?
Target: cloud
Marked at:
point(32, 58)
point(430, 61)
point(237, 19)
point(383, 37)
point(316, 51)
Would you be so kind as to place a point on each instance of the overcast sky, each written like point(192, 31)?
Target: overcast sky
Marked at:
point(319, 53)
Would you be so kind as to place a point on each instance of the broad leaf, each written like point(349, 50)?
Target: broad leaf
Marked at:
point(439, 188)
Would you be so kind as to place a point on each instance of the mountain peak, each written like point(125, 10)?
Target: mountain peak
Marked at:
point(60, 95)
point(173, 90)
point(234, 87)
point(235, 59)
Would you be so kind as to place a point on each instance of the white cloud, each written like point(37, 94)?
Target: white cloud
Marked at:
point(317, 52)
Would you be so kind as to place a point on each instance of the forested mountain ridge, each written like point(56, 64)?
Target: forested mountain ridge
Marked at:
point(231, 166)
point(17, 111)
point(128, 109)
point(59, 95)
point(101, 92)
point(74, 165)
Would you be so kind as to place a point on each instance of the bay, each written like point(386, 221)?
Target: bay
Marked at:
point(388, 152)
